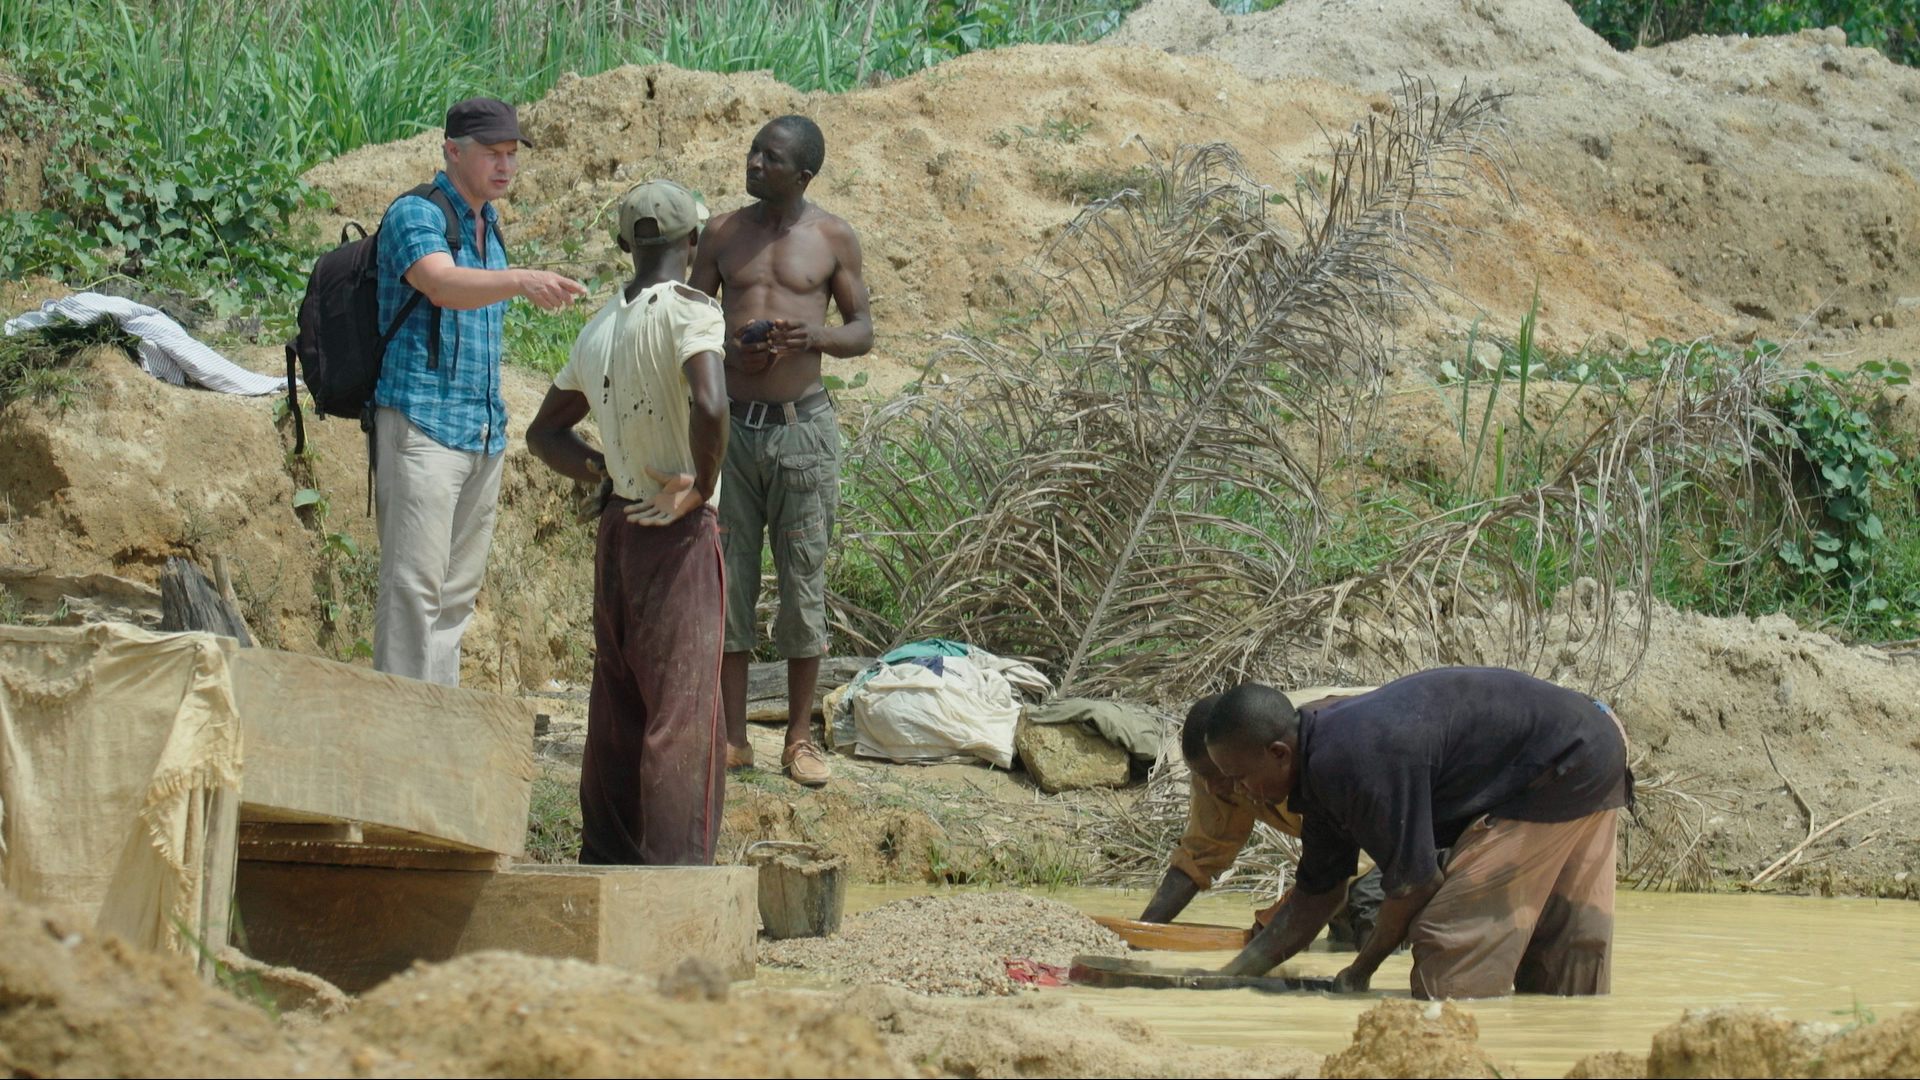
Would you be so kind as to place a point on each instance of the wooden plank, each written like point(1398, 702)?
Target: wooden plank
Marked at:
point(1177, 937)
point(217, 868)
point(330, 741)
point(767, 686)
point(356, 926)
point(189, 601)
point(330, 832)
point(381, 855)
point(1107, 971)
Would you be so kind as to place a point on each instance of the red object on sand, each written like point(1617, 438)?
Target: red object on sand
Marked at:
point(1034, 973)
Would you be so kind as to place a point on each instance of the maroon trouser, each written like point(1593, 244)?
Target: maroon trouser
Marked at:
point(653, 781)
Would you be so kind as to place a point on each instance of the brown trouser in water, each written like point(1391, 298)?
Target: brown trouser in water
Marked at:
point(653, 780)
point(1525, 906)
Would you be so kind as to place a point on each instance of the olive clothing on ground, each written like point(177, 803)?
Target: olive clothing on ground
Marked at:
point(1526, 906)
point(653, 780)
point(1403, 771)
point(629, 362)
point(783, 486)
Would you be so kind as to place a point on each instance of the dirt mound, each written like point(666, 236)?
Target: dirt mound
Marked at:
point(1038, 1036)
point(505, 1015)
point(1750, 713)
point(1751, 1042)
point(1411, 1038)
point(138, 470)
point(75, 1004)
point(962, 942)
point(1771, 177)
point(951, 199)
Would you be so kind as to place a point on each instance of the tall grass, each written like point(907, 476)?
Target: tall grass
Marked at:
point(304, 80)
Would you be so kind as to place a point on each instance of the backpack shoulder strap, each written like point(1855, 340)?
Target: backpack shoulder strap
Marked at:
point(438, 197)
point(432, 193)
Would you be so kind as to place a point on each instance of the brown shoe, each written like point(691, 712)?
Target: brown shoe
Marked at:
point(806, 764)
point(739, 757)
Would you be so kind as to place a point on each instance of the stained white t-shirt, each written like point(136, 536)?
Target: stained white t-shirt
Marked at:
point(629, 360)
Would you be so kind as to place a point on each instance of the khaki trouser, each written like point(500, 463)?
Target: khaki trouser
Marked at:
point(435, 509)
point(781, 484)
point(1525, 906)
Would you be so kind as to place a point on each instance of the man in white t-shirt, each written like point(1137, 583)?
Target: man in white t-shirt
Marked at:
point(649, 368)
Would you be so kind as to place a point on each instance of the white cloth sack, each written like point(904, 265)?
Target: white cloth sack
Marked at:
point(968, 709)
point(167, 351)
point(113, 744)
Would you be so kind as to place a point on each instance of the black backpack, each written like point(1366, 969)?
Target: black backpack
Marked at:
point(340, 344)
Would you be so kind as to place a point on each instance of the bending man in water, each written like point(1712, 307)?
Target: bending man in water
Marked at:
point(1518, 776)
point(774, 265)
point(1220, 821)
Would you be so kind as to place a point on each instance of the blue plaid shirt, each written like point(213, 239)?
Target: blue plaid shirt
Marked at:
point(459, 405)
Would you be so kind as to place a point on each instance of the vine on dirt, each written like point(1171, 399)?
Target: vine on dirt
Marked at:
point(1847, 461)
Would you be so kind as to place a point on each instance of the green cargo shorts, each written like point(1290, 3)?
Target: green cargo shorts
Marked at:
point(781, 480)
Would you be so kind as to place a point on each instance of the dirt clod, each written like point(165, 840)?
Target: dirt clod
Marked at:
point(1414, 1038)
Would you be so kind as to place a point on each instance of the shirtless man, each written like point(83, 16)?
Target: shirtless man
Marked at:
point(774, 264)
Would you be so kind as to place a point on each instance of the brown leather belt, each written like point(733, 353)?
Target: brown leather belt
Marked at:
point(754, 415)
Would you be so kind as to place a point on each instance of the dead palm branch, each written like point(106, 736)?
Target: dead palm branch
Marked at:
point(1117, 491)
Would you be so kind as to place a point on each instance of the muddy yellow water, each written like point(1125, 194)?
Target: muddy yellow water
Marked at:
point(1808, 958)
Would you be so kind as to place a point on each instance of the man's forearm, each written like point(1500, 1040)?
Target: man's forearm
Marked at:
point(567, 454)
point(1390, 927)
point(464, 288)
point(1293, 928)
point(707, 435)
point(852, 338)
point(1176, 891)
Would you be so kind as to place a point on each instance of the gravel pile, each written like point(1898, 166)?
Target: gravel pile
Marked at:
point(955, 945)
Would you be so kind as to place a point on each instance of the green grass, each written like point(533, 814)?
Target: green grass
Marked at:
point(553, 821)
point(305, 80)
point(542, 340)
point(1091, 183)
point(42, 365)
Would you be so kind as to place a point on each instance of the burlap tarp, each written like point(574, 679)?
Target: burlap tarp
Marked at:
point(113, 743)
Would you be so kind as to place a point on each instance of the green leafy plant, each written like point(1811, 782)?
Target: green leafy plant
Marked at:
point(209, 218)
point(1892, 26)
point(1846, 464)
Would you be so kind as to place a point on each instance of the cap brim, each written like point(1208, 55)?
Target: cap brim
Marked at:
point(499, 135)
point(660, 241)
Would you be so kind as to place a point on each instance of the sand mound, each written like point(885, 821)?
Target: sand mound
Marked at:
point(74, 1004)
point(1411, 1038)
point(951, 200)
point(1714, 697)
point(961, 943)
point(1034, 1035)
point(1750, 1042)
point(1771, 176)
point(138, 470)
point(505, 1015)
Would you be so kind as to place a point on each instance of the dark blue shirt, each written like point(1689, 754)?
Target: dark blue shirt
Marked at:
point(1400, 772)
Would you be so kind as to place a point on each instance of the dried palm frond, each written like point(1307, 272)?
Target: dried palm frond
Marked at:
point(1117, 491)
point(1664, 844)
point(1466, 586)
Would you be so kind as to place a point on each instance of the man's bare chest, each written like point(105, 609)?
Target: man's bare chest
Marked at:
point(796, 264)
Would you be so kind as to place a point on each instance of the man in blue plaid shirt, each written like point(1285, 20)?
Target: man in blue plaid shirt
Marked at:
point(440, 424)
